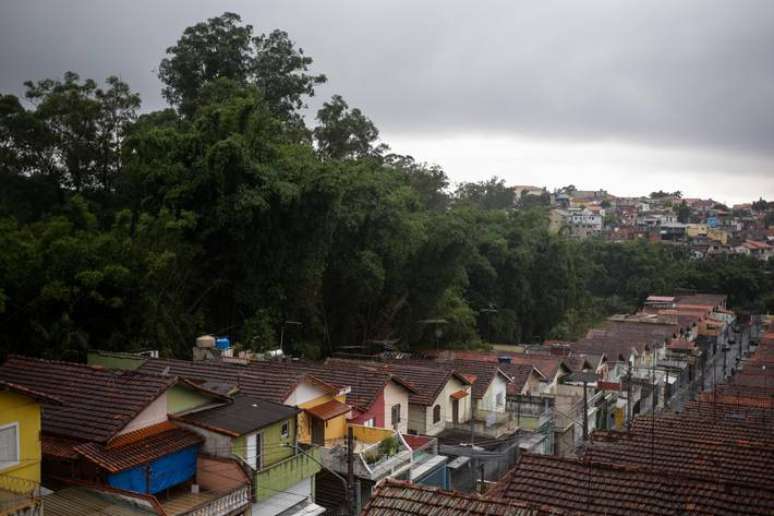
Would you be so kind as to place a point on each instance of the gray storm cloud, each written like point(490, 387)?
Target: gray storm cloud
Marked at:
point(691, 73)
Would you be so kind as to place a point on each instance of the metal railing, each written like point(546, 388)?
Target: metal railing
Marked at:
point(223, 505)
point(24, 494)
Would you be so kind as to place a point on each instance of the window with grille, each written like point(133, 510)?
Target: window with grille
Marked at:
point(9, 445)
point(395, 414)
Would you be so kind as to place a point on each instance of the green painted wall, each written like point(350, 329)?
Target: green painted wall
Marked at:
point(109, 361)
point(282, 466)
point(280, 476)
point(274, 445)
point(180, 399)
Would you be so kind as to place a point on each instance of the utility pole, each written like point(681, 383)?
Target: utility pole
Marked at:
point(350, 474)
point(585, 413)
point(629, 397)
point(472, 426)
point(725, 351)
point(653, 413)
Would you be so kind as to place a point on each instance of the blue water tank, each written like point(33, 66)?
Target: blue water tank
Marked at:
point(222, 343)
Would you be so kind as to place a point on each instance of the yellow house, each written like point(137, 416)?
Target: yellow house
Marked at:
point(324, 415)
point(20, 451)
point(718, 235)
point(694, 230)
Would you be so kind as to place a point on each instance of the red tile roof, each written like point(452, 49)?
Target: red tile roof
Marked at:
point(365, 386)
point(713, 458)
point(400, 498)
point(98, 403)
point(140, 451)
point(584, 487)
point(426, 380)
point(328, 410)
point(57, 447)
point(458, 395)
point(267, 383)
point(479, 373)
point(30, 393)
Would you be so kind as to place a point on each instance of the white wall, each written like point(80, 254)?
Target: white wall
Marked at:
point(305, 391)
point(282, 501)
point(489, 401)
point(445, 402)
point(394, 393)
point(153, 414)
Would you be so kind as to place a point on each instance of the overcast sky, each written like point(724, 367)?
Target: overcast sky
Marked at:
point(630, 96)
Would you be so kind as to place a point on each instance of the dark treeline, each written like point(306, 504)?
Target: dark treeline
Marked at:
point(228, 214)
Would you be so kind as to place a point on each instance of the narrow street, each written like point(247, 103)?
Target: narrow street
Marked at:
point(717, 369)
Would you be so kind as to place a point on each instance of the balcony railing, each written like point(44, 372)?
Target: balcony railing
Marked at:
point(373, 460)
point(223, 505)
point(490, 423)
point(18, 494)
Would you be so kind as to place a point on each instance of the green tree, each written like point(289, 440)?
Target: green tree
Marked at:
point(684, 213)
point(492, 194)
point(223, 48)
point(345, 133)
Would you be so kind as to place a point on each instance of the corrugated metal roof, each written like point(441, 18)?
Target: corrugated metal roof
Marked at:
point(82, 501)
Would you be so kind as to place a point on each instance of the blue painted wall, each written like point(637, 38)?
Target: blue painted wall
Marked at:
point(165, 472)
point(436, 478)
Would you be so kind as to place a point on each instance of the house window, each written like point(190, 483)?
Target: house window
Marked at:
point(9, 445)
point(500, 399)
point(436, 413)
point(285, 429)
point(370, 423)
point(395, 414)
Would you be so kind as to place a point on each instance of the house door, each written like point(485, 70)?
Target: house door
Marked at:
point(254, 451)
point(455, 411)
point(318, 431)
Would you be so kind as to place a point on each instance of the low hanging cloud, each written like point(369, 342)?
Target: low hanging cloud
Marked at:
point(693, 76)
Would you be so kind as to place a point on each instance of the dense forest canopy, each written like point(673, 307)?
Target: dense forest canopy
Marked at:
point(226, 213)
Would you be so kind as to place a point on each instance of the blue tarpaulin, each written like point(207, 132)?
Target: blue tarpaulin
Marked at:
point(167, 471)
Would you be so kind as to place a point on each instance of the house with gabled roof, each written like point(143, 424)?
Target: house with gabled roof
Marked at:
point(438, 399)
point(324, 409)
point(263, 434)
point(377, 399)
point(489, 392)
point(112, 432)
point(372, 404)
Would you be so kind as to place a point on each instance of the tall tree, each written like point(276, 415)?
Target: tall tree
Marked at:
point(224, 48)
point(345, 133)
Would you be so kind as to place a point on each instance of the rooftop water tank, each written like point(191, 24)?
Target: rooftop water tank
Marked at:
point(205, 341)
point(222, 343)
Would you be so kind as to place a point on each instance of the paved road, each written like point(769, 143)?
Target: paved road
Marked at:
point(713, 371)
